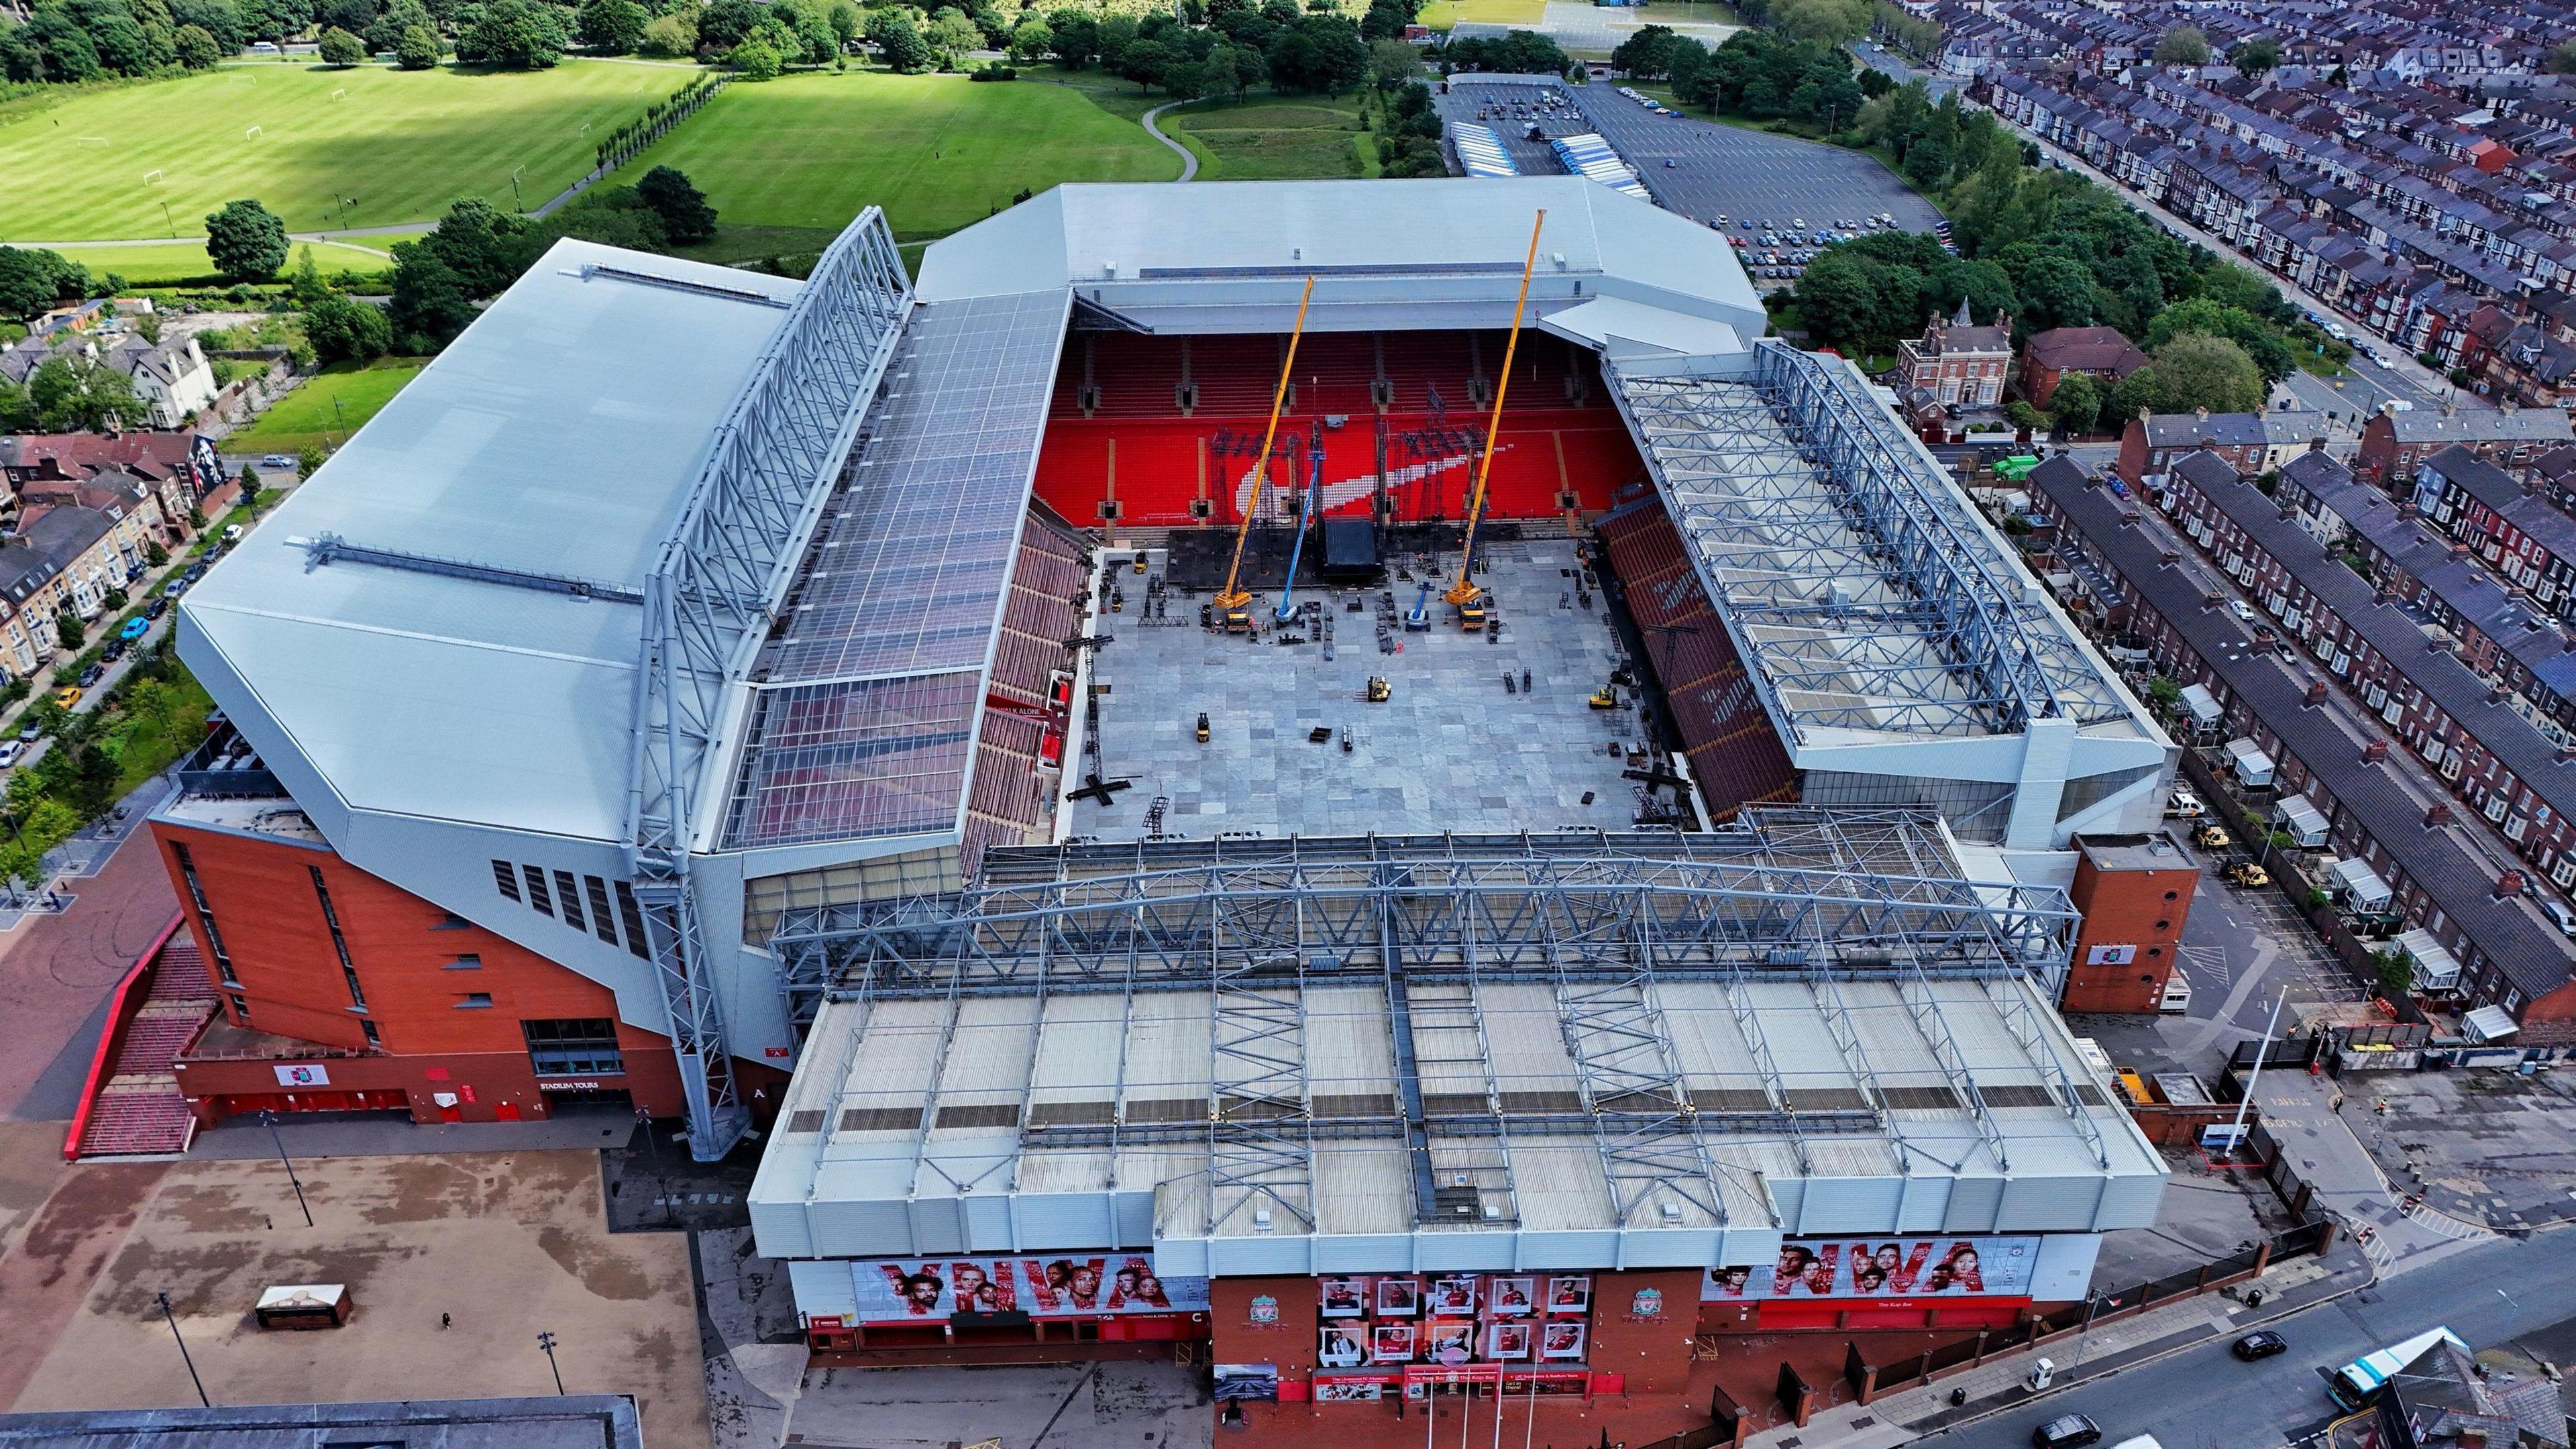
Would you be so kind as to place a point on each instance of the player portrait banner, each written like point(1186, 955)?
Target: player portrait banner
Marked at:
point(1865, 1268)
point(913, 1290)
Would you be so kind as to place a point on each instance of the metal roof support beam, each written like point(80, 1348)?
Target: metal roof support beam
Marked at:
point(1258, 1112)
point(722, 569)
point(1408, 1069)
point(2013, 1004)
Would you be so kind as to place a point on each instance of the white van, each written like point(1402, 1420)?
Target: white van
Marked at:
point(2175, 1002)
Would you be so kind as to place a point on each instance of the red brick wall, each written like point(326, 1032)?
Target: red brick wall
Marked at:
point(2127, 907)
point(270, 918)
point(1288, 1340)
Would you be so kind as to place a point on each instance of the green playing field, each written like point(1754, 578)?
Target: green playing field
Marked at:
point(403, 144)
point(937, 152)
point(309, 415)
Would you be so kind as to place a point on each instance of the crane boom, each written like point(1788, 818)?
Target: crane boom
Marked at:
point(1230, 600)
point(1465, 593)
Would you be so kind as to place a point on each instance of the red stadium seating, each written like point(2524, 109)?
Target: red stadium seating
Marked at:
point(1139, 448)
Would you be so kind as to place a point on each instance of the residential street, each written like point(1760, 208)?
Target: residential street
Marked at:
point(2202, 1398)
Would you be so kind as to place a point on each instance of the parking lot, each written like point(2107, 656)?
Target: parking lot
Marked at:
point(1696, 168)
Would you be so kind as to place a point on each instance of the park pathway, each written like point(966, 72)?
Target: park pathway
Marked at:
point(1189, 158)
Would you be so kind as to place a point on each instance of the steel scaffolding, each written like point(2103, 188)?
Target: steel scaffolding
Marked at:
point(1606, 923)
point(707, 606)
point(1845, 565)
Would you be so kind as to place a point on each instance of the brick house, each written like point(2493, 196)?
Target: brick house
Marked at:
point(2100, 352)
point(2250, 442)
point(1955, 363)
point(2393, 443)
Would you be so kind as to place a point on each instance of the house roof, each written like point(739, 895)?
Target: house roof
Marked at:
point(47, 546)
point(2479, 425)
point(2534, 958)
point(2085, 349)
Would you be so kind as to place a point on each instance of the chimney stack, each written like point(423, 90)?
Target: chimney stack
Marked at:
point(2437, 814)
point(2508, 885)
point(2316, 694)
point(2374, 752)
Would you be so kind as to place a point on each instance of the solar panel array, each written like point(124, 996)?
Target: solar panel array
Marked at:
point(866, 702)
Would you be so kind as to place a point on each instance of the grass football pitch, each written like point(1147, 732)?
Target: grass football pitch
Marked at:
point(937, 152)
point(1276, 141)
point(404, 144)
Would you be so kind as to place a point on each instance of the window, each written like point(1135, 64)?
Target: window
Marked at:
point(537, 890)
point(581, 1047)
point(507, 879)
point(450, 921)
point(628, 912)
point(466, 962)
point(600, 923)
point(474, 999)
point(339, 943)
point(205, 915)
point(568, 896)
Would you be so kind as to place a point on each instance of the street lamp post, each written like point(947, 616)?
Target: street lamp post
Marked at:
point(269, 1116)
point(162, 1300)
point(546, 1341)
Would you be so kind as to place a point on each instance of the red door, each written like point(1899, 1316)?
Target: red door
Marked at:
point(507, 1112)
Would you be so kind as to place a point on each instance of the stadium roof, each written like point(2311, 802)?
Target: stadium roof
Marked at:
point(1446, 253)
point(1870, 593)
point(1253, 1053)
point(557, 437)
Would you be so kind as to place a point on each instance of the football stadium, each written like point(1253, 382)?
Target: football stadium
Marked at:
point(1360, 780)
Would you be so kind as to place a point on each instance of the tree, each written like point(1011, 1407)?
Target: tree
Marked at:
point(2183, 45)
point(898, 41)
point(196, 47)
point(950, 31)
point(33, 280)
point(248, 479)
point(430, 303)
point(1926, 162)
point(686, 217)
point(1647, 54)
point(514, 35)
point(612, 27)
point(308, 461)
point(673, 35)
point(2255, 57)
point(2056, 291)
point(1393, 63)
point(1031, 40)
point(1827, 22)
point(1838, 299)
point(307, 286)
point(418, 48)
point(246, 242)
point(73, 394)
point(340, 48)
point(2195, 370)
point(344, 329)
point(756, 59)
point(2396, 974)
point(2562, 58)
point(68, 631)
point(2077, 402)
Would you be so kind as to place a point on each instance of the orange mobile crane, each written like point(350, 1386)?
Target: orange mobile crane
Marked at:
point(1470, 599)
point(1234, 603)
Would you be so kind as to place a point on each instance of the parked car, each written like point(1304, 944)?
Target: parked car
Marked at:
point(232, 533)
point(277, 460)
point(91, 675)
point(2212, 836)
point(2263, 1343)
point(9, 753)
point(30, 732)
point(114, 651)
point(156, 608)
point(2184, 805)
point(174, 588)
point(134, 628)
point(2561, 917)
point(68, 695)
point(2067, 1431)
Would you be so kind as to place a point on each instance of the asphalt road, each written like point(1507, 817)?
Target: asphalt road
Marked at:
point(2490, 1294)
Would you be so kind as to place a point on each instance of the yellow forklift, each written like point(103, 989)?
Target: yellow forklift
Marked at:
point(1379, 692)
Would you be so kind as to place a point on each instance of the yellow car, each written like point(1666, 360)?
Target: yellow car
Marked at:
point(2212, 836)
point(68, 695)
